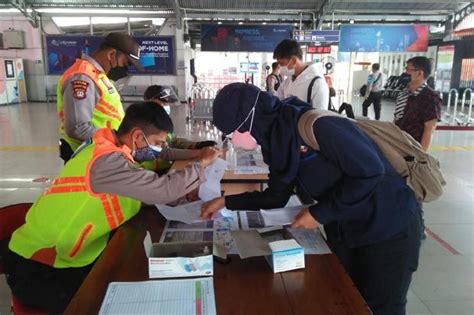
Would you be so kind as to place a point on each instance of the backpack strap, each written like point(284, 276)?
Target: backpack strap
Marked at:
point(306, 122)
point(310, 89)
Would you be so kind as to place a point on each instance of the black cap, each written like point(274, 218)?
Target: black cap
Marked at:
point(162, 92)
point(125, 44)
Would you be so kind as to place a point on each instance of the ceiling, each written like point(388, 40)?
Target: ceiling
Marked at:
point(191, 13)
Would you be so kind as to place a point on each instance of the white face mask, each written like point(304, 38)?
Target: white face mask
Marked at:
point(167, 108)
point(284, 70)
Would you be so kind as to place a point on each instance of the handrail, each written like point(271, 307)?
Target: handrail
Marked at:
point(448, 105)
point(463, 102)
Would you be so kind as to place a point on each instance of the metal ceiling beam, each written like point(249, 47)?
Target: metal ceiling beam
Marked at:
point(387, 17)
point(178, 14)
point(23, 7)
point(307, 16)
point(403, 1)
point(322, 12)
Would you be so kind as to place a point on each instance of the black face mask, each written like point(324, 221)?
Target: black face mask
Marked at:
point(117, 73)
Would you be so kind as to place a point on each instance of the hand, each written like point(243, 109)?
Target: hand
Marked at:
point(212, 206)
point(193, 195)
point(203, 144)
point(305, 220)
point(209, 155)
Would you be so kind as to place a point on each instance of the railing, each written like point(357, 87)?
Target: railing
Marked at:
point(467, 118)
point(447, 113)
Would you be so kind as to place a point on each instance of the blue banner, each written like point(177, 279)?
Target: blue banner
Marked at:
point(156, 53)
point(247, 38)
point(383, 38)
point(316, 36)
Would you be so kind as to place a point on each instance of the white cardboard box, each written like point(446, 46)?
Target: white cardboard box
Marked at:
point(180, 259)
point(286, 255)
point(282, 255)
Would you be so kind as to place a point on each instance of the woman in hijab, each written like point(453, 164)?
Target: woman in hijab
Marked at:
point(368, 211)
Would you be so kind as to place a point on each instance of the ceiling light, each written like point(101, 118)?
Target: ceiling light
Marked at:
point(11, 10)
point(296, 24)
point(219, 22)
point(264, 23)
point(240, 23)
point(351, 21)
point(94, 11)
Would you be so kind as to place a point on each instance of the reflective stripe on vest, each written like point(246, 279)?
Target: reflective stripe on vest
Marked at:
point(108, 112)
point(69, 224)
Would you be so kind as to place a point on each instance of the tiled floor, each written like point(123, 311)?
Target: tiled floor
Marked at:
point(444, 282)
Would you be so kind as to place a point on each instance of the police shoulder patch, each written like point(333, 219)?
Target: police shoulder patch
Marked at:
point(79, 88)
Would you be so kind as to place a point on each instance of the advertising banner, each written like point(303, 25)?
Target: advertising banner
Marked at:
point(383, 38)
point(247, 38)
point(157, 53)
point(444, 67)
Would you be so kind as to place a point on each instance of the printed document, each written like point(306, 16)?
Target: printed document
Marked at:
point(177, 297)
point(211, 188)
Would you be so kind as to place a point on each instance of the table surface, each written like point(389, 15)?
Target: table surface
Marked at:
point(241, 287)
point(229, 175)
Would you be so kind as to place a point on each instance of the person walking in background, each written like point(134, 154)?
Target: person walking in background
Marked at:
point(274, 79)
point(373, 94)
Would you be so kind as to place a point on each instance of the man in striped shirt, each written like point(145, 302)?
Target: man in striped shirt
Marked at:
point(418, 108)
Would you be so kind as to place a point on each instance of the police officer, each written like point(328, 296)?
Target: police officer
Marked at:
point(87, 98)
point(97, 191)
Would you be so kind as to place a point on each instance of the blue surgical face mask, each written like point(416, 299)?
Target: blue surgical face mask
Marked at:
point(148, 153)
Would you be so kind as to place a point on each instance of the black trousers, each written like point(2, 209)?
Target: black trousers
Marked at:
point(376, 99)
point(382, 272)
point(65, 150)
point(41, 286)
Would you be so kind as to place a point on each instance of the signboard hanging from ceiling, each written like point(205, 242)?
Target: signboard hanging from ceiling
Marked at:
point(246, 38)
point(156, 53)
point(383, 38)
point(311, 36)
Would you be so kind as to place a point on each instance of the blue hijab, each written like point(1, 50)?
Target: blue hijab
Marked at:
point(274, 126)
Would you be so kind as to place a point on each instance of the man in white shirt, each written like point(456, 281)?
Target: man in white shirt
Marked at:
point(373, 94)
point(305, 81)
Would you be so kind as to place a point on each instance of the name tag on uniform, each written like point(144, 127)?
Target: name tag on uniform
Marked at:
point(108, 85)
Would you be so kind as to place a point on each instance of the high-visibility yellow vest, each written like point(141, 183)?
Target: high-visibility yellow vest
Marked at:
point(108, 112)
point(69, 224)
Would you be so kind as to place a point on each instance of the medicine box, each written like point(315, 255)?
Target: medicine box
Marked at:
point(179, 259)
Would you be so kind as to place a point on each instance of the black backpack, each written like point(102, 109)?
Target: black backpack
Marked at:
point(345, 107)
point(363, 89)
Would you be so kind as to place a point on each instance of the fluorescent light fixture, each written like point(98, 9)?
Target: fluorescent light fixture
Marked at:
point(63, 21)
point(10, 10)
point(66, 21)
point(95, 11)
point(158, 21)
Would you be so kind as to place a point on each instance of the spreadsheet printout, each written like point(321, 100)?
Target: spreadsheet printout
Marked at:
point(167, 297)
